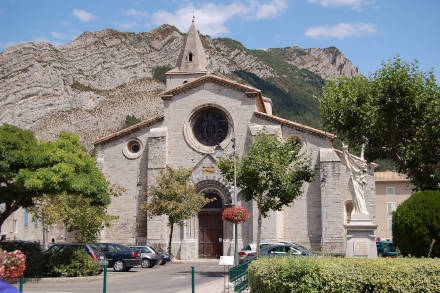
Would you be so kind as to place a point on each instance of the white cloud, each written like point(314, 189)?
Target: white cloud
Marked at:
point(211, 18)
point(40, 39)
point(58, 35)
point(138, 14)
point(354, 4)
point(126, 25)
point(269, 10)
point(341, 30)
point(83, 15)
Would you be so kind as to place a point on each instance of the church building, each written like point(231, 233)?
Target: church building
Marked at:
point(202, 111)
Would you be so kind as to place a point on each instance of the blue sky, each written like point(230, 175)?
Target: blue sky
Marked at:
point(366, 31)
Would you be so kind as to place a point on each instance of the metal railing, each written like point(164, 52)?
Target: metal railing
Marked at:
point(238, 275)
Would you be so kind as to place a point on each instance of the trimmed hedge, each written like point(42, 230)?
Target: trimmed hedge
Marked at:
point(416, 223)
point(72, 262)
point(328, 274)
point(35, 263)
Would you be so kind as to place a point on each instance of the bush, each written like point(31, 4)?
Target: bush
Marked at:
point(34, 257)
point(72, 262)
point(159, 72)
point(416, 223)
point(328, 274)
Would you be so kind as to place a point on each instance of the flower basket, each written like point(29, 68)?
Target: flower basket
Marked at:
point(235, 215)
point(15, 264)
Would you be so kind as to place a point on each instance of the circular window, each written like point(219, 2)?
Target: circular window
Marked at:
point(132, 148)
point(210, 126)
point(207, 126)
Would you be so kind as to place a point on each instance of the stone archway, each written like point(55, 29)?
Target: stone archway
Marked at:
point(211, 226)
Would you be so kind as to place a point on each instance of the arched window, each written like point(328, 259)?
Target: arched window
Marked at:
point(190, 57)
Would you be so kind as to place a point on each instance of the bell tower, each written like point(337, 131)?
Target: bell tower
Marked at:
point(192, 61)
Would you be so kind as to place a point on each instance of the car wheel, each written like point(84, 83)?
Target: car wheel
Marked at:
point(118, 266)
point(146, 263)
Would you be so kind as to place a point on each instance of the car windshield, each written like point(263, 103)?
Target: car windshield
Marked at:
point(96, 250)
point(388, 247)
point(154, 250)
point(143, 249)
point(121, 248)
point(302, 249)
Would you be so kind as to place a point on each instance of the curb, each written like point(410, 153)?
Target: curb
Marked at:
point(63, 279)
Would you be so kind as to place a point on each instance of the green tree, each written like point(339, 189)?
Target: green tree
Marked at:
point(30, 170)
point(272, 173)
point(175, 197)
point(395, 112)
point(76, 213)
point(129, 121)
point(416, 224)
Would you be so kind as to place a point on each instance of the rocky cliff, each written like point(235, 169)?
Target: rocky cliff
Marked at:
point(90, 85)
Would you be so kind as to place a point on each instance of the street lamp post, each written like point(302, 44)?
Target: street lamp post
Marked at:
point(218, 153)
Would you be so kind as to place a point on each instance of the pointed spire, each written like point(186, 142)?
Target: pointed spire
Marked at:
point(192, 58)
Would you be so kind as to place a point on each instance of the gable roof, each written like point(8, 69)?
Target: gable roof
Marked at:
point(297, 126)
point(390, 176)
point(250, 92)
point(130, 129)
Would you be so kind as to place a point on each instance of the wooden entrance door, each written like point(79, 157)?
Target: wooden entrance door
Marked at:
point(210, 234)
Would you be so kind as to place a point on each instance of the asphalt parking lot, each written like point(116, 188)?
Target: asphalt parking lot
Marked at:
point(169, 278)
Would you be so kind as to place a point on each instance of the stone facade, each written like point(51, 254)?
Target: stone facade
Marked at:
point(315, 220)
point(391, 190)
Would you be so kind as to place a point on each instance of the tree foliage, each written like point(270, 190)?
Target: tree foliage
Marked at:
point(272, 173)
point(29, 170)
point(416, 223)
point(129, 121)
point(175, 197)
point(76, 212)
point(396, 112)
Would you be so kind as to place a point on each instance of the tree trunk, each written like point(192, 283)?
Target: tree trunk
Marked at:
point(44, 232)
point(171, 237)
point(259, 228)
point(9, 209)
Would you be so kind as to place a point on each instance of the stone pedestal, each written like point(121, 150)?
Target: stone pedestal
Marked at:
point(361, 237)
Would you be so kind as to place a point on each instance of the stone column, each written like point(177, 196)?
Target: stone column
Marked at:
point(361, 238)
point(332, 207)
point(157, 230)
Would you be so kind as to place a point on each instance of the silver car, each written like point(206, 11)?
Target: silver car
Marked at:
point(249, 251)
point(149, 256)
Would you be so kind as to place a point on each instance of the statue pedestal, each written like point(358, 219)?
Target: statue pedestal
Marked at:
point(361, 238)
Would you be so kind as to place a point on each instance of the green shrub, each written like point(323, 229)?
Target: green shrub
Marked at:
point(332, 275)
point(72, 262)
point(34, 257)
point(159, 72)
point(416, 223)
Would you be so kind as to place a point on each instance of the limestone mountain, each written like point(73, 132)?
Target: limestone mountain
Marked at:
point(90, 85)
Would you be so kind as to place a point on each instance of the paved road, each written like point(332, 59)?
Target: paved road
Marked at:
point(169, 278)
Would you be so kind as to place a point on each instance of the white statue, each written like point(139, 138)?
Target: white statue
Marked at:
point(358, 172)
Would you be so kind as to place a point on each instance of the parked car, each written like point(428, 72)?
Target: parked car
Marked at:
point(148, 255)
point(92, 249)
point(164, 258)
point(120, 257)
point(249, 250)
point(386, 249)
point(284, 249)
